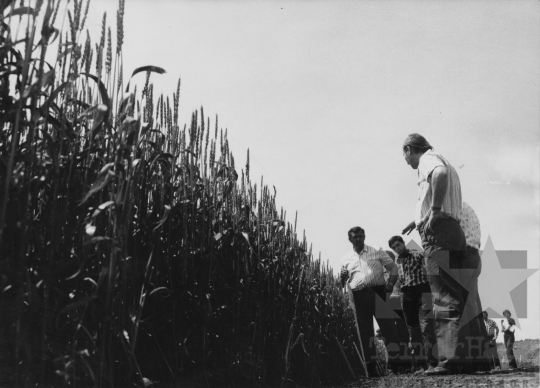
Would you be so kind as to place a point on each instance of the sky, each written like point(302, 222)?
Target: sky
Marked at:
point(323, 93)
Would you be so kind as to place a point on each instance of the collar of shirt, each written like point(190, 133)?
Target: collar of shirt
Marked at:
point(364, 250)
point(400, 258)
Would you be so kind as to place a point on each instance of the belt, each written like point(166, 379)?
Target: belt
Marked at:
point(415, 287)
point(365, 288)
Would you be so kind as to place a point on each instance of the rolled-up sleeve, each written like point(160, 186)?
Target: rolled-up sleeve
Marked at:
point(428, 163)
point(388, 263)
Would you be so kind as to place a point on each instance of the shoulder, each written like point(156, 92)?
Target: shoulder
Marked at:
point(370, 251)
point(415, 254)
point(428, 162)
point(468, 213)
point(431, 157)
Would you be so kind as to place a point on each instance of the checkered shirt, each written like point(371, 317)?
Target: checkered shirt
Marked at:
point(412, 271)
point(491, 328)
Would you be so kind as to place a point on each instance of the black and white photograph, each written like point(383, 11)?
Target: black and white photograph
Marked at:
point(269, 193)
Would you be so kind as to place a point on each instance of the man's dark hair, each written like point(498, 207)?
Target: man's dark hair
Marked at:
point(485, 312)
point(355, 229)
point(506, 311)
point(394, 239)
point(417, 143)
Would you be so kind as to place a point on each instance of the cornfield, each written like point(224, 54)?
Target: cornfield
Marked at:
point(131, 250)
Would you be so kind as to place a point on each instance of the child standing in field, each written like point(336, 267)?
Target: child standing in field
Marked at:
point(508, 326)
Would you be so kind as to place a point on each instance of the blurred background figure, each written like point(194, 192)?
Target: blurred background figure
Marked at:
point(508, 327)
point(492, 333)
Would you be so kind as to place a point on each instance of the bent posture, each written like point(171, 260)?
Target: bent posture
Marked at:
point(437, 216)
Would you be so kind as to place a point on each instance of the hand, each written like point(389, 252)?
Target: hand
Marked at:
point(409, 228)
point(433, 217)
point(344, 276)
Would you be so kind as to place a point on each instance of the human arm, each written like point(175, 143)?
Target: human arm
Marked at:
point(344, 276)
point(439, 186)
point(409, 228)
point(494, 329)
point(392, 269)
point(511, 325)
point(392, 279)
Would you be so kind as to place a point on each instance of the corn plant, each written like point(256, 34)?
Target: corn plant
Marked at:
point(131, 249)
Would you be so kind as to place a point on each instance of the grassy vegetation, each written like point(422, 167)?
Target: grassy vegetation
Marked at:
point(526, 353)
point(130, 247)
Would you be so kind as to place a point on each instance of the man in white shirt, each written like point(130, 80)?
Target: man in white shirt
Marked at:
point(437, 216)
point(363, 270)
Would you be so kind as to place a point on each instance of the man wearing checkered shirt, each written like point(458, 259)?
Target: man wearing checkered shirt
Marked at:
point(492, 332)
point(417, 303)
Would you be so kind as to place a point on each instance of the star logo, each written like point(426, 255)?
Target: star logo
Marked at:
point(502, 282)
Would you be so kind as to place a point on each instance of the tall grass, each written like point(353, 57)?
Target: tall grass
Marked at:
point(131, 249)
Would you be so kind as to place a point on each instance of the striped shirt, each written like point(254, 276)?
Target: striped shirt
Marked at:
point(491, 328)
point(451, 205)
point(367, 268)
point(412, 271)
point(471, 226)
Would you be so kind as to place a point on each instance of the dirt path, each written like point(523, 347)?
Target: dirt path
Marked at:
point(519, 379)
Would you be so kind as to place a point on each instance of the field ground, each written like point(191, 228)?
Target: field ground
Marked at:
point(521, 379)
point(526, 352)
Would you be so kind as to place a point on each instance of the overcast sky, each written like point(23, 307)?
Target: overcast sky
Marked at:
point(323, 93)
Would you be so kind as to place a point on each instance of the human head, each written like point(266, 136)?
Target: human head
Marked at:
point(507, 313)
point(355, 229)
point(485, 314)
point(397, 244)
point(357, 236)
point(414, 146)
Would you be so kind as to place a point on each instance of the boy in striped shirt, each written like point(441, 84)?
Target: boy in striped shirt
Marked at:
point(416, 303)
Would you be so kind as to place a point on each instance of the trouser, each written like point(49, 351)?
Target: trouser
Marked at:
point(417, 309)
point(402, 329)
point(491, 352)
point(395, 304)
point(509, 343)
point(366, 301)
point(476, 339)
point(444, 252)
